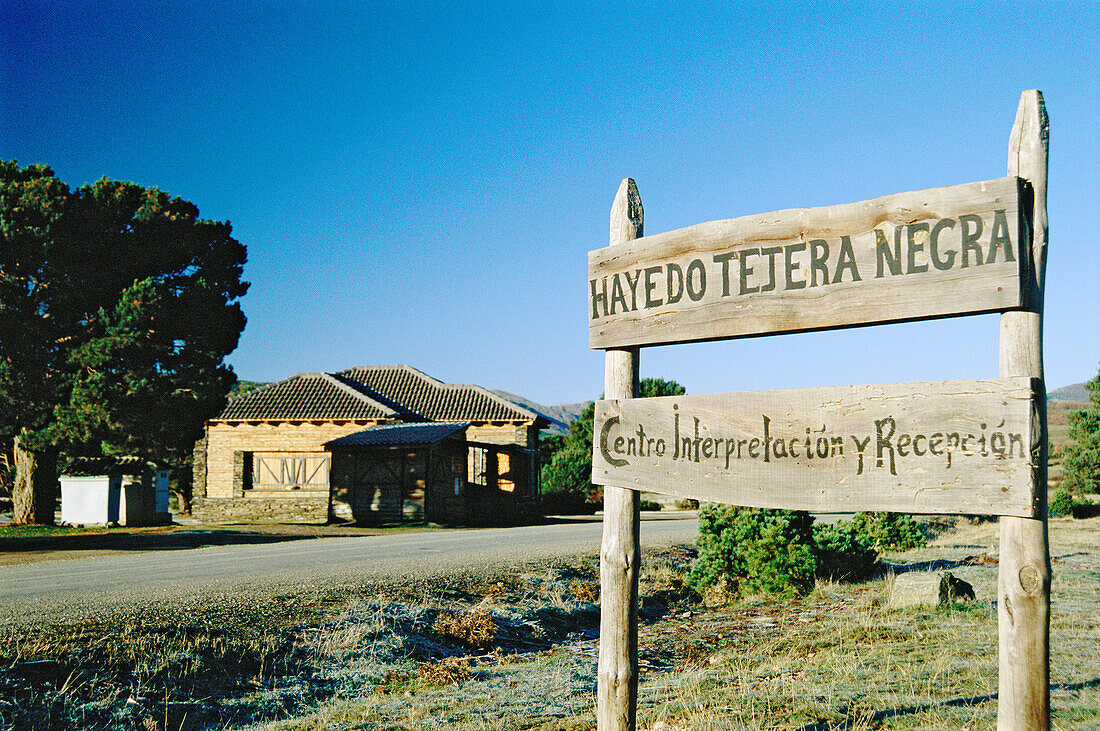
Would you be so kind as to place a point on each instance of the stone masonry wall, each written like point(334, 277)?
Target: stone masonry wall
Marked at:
point(198, 468)
point(503, 434)
point(302, 508)
point(223, 499)
point(223, 439)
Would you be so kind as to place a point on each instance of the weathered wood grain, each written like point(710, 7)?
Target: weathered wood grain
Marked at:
point(901, 257)
point(1023, 582)
point(947, 447)
point(620, 549)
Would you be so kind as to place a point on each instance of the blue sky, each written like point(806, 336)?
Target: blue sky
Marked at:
point(420, 182)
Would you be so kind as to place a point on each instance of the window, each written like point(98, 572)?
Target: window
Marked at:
point(290, 471)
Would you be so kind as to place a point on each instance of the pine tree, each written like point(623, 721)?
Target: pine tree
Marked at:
point(117, 309)
point(569, 471)
point(1081, 466)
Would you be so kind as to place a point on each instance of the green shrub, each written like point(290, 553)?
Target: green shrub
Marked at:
point(760, 551)
point(649, 505)
point(843, 552)
point(566, 503)
point(776, 551)
point(1065, 503)
point(889, 531)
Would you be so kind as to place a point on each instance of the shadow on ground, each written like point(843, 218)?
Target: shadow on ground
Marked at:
point(152, 541)
point(905, 710)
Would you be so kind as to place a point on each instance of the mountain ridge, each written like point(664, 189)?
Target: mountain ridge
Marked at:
point(1072, 392)
point(560, 416)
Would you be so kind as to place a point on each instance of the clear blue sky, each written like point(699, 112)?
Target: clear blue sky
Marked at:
point(420, 182)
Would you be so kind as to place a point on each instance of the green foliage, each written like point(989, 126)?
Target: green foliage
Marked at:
point(1066, 503)
point(655, 387)
point(567, 481)
point(117, 309)
point(777, 551)
point(843, 552)
point(566, 476)
point(649, 505)
point(889, 531)
point(761, 551)
point(549, 445)
point(1081, 466)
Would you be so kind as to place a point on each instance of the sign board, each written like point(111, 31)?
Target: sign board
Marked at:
point(953, 447)
point(946, 447)
point(933, 253)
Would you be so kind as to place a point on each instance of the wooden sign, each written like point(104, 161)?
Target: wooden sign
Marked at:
point(947, 447)
point(955, 447)
point(933, 253)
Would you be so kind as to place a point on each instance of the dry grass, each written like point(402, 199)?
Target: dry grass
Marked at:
point(839, 658)
point(842, 659)
point(586, 591)
point(475, 629)
point(448, 671)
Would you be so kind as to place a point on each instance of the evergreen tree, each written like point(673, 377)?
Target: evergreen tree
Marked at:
point(117, 309)
point(569, 471)
point(1081, 466)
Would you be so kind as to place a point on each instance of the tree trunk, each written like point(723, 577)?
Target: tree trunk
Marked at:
point(183, 491)
point(35, 492)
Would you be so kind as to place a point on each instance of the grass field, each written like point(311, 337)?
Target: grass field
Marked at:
point(517, 651)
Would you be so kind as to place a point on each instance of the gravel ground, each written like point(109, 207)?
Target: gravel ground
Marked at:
point(226, 579)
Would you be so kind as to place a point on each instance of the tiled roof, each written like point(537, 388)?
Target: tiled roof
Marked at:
point(306, 396)
point(392, 435)
point(372, 392)
point(419, 396)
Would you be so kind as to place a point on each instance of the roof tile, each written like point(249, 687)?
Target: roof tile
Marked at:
point(391, 435)
point(372, 392)
point(423, 397)
point(306, 396)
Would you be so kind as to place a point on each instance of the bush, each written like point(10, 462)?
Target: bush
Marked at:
point(1067, 504)
point(777, 551)
point(1081, 466)
point(448, 671)
point(649, 505)
point(843, 552)
point(760, 551)
point(889, 531)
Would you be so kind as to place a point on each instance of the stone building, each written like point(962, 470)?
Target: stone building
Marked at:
point(359, 445)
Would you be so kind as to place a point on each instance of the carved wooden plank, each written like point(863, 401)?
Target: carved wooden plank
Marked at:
point(946, 447)
point(910, 256)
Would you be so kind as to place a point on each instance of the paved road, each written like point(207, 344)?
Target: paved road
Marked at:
point(169, 575)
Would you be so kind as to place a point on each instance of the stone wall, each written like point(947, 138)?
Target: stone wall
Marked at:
point(302, 507)
point(198, 468)
point(509, 433)
point(225, 440)
point(222, 461)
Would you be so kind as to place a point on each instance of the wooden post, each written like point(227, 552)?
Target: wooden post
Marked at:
point(1023, 583)
point(620, 551)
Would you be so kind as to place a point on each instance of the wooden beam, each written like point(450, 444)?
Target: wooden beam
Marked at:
point(962, 447)
point(909, 256)
point(1023, 583)
point(620, 550)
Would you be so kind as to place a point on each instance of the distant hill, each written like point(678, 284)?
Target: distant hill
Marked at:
point(242, 386)
point(1076, 392)
point(559, 416)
